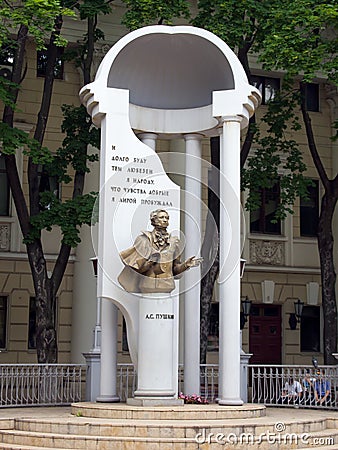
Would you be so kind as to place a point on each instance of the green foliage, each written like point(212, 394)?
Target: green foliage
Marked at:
point(298, 37)
point(80, 133)
point(236, 22)
point(69, 216)
point(31, 13)
point(303, 39)
point(88, 9)
point(13, 139)
point(6, 89)
point(277, 157)
point(92, 8)
point(149, 12)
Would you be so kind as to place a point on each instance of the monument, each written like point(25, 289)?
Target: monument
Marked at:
point(154, 83)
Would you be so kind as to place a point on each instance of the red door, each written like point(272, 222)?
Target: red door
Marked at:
point(265, 339)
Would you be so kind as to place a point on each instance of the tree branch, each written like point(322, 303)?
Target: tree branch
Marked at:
point(311, 140)
point(33, 179)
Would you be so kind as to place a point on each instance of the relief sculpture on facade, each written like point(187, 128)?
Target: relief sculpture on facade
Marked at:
point(267, 252)
point(4, 237)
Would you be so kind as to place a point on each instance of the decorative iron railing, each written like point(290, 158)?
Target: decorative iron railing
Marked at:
point(298, 386)
point(62, 384)
point(126, 381)
point(41, 384)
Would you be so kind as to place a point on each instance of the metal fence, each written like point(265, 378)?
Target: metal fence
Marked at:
point(298, 386)
point(275, 385)
point(41, 384)
point(208, 381)
point(126, 381)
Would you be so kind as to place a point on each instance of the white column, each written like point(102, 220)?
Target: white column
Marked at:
point(148, 139)
point(193, 227)
point(229, 276)
point(108, 383)
point(176, 169)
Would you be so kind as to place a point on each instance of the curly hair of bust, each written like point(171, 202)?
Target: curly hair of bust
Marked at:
point(154, 214)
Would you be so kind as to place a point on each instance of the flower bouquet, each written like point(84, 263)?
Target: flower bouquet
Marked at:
point(193, 399)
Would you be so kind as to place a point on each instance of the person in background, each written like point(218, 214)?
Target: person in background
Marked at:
point(322, 388)
point(291, 393)
point(308, 388)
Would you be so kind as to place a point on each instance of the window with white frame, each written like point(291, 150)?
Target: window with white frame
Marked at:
point(312, 97)
point(267, 86)
point(262, 220)
point(310, 329)
point(309, 211)
point(48, 183)
point(41, 63)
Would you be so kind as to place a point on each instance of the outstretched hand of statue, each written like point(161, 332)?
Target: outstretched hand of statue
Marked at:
point(193, 262)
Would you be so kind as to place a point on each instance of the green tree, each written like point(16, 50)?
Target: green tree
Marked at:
point(38, 211)
point(149, 12)
point(299, 38)
point(303, 41)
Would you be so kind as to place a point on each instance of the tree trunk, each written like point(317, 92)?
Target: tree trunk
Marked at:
point(328, 276)
point(45, 297)
point(325, 239)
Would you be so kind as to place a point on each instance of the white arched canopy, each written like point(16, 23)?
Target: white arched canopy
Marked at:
point(168, 81)
point(165, 71)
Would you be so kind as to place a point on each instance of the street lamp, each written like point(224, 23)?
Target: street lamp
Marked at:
point(297, 315)
point(97, 329)
point(94, 263)
point(245, 313)
point(242, 267)
point(299, 309)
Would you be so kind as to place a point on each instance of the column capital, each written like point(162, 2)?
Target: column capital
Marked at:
point(193, 136)
point(232, 118)
point(143, 136)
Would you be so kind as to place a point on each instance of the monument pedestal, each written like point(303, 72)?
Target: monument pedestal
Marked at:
point(161, 401)
point(157, 351)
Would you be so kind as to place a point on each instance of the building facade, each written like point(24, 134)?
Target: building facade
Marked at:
point(282, 263)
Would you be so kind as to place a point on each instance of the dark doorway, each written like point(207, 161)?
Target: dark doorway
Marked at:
point(265, 334)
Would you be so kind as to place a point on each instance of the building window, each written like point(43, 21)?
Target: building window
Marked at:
point(309, 211)
point(32, 323)
point(4, 189)
point(125, 347)
point(310, 329)
point(263, 220)
point(48, 183)
point(312, 97)
point(3, 321)
point(41, 64)
point(213, 335)
point(268, 87)
point(6, 62)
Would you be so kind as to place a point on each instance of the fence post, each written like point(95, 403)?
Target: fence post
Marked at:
point(93, 375)
point(244, 375)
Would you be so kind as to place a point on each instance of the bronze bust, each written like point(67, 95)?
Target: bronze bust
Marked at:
point(153, 262)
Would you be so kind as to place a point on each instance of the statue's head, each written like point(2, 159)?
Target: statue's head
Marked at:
point(159, 217)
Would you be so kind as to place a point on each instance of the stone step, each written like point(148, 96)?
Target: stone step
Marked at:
point(166, 428)
point(239, 441)
point(4, 446)
point(188, 412)
point(56, 428)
